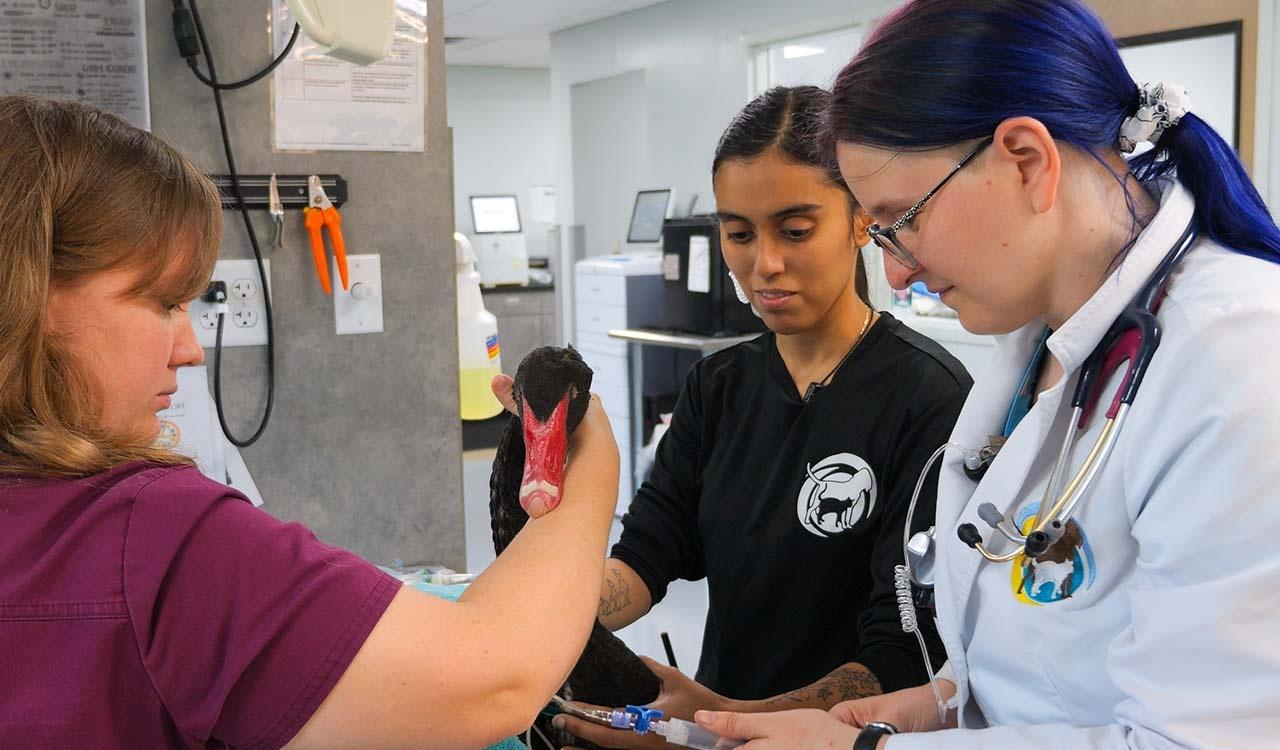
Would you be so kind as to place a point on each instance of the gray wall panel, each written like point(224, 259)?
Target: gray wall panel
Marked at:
point(364, 445)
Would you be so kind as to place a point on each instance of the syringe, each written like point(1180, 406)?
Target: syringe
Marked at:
point(687, 734)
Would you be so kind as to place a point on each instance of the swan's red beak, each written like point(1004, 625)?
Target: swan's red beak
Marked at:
point(545, 444)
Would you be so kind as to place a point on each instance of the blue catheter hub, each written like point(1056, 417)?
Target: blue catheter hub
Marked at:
point(644, 717)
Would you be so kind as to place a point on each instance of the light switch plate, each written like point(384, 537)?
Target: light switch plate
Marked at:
point(246, 323)
point(358, 309)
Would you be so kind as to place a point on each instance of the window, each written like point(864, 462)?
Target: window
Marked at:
point(814, 59)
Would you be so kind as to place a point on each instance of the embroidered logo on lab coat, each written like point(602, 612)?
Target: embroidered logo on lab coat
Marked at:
point(838, 493)
point(1060, 572)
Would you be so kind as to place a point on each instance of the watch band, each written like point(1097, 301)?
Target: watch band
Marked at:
point(870, 735)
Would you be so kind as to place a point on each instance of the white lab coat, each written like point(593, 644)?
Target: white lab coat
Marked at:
point(1171, 635)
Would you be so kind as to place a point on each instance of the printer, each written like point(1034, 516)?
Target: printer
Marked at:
point(697, 294)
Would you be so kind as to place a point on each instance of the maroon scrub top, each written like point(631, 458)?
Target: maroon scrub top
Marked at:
point(151, 607)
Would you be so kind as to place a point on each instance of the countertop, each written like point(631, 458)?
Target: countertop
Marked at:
point(533, 286)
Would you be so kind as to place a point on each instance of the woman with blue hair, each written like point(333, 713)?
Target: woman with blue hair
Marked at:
point(989, 141)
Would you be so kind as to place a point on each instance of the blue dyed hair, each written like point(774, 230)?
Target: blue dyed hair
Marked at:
point(937, 73)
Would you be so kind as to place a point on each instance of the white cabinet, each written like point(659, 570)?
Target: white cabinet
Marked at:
point(612, 292)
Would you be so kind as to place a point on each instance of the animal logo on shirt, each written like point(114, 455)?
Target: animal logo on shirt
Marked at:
point(838, 493)
point(1061, 572)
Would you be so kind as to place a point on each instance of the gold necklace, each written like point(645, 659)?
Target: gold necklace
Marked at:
point(815, 387)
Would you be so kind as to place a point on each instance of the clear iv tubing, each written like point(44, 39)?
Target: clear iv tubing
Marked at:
point(902, 580)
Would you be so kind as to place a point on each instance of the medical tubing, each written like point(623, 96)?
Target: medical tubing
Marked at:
point(902, 581)
point(996, 520)
point(257, 254)
point(907, 616)
point(976, 543)
point(1152, 294)
point(1083, 479)
point(1045, 533)
point(1015, 538)
point(1113, 430)
point(915, 495)
point(1068, 442)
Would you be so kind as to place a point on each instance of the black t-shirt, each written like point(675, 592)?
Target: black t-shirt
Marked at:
point(794, 511)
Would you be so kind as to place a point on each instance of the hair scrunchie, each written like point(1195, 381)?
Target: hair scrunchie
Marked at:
point(1161, 106)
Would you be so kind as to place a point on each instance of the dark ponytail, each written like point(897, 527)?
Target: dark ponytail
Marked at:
point(791, 121)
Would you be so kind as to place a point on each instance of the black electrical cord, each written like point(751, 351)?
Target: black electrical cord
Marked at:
point(212, 83)
point(182, 28)
point(253, 239)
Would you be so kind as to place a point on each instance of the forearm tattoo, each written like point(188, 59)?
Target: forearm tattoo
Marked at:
point(619, 597)
point(847, 683)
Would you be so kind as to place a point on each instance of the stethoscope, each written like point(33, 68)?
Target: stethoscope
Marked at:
point(1133, 337)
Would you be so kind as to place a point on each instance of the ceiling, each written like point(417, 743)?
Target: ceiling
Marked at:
point(517, 33)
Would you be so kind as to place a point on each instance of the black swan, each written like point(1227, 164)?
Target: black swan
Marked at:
point(552, 391)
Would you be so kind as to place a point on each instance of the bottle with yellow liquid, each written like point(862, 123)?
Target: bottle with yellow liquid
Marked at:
point(479, 356)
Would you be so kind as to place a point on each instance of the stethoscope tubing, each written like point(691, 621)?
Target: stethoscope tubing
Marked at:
point(1133, 338)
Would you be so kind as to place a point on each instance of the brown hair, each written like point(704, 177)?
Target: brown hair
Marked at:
point(82, 192)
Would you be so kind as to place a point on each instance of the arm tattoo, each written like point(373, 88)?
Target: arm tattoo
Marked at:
point(619, 597)
point(847, 683)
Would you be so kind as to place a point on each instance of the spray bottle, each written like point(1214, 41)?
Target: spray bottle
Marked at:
point(479, 356)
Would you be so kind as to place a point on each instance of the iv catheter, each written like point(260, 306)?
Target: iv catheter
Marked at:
point(643, 720)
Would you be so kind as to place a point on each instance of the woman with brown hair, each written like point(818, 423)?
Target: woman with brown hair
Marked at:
point(144, 605)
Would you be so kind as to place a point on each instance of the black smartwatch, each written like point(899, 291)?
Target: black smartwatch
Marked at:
point(869, 737)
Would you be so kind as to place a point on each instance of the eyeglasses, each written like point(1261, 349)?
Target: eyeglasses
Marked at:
point(888, 238)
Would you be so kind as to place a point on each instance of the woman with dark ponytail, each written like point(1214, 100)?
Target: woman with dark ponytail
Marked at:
point(991, 141)
point(790, 460)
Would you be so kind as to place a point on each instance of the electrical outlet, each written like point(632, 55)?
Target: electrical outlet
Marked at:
point(243, 289)
point(244, 317)
point(245, 324)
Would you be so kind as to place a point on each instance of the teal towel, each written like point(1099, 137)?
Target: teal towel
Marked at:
point(452, 593)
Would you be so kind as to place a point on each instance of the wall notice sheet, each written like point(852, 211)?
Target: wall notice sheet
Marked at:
point(91, 50)
point(323, 104)
point(190, 425)
point(699, 264)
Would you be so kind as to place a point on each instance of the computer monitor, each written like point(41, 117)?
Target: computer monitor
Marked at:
point(647, 216)
point(495, 214)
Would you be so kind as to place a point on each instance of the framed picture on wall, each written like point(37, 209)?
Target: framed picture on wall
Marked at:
point(1204, 59)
